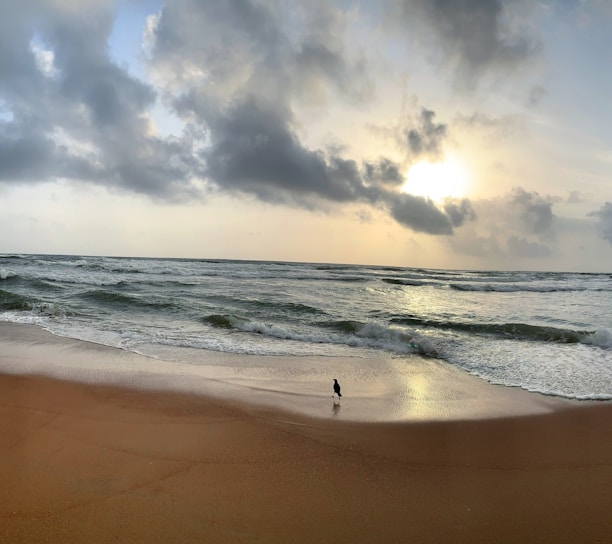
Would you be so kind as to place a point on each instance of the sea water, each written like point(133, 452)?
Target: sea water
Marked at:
point(540, 331)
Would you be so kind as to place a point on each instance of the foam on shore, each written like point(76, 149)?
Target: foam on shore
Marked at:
point(383, 389)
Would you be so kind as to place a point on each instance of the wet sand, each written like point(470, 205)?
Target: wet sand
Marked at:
point(103, 463)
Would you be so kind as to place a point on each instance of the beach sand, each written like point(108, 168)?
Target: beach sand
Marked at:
point(106, 463)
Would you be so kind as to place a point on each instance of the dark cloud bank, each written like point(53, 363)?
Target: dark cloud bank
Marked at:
point(473, 37)
point(604, 216)
point(232, 71)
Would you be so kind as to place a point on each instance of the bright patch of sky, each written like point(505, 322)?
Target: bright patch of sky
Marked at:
point(127, 45)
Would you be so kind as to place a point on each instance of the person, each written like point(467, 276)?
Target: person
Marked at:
point(337, 388)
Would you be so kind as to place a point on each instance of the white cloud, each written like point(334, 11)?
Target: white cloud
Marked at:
point(149, 32)
point(45, 59)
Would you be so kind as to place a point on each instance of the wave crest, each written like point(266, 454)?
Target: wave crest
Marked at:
point(517, 331)
point(7, 274)
point(13, 302)
point(350, 333)
point(111, 298)
point(514, 288)
point(601, 337)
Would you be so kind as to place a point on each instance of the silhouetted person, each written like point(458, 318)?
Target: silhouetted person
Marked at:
point(337, 388)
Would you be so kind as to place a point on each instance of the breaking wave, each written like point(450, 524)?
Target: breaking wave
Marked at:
point(13, 302)
point(517, 288)
point(365, 335)
point(516, 331)
point(113, 299)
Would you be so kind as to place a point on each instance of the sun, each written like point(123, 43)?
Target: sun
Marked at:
point(437, 180)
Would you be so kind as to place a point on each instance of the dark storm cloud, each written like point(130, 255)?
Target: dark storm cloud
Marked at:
point(254, 149)
point(426, 138)
point(87, 119)
point(87, 77)
point(26, 151)
point(234, 72)
point(253, 144)
point(535, 211)
point(604, 216)
point(473, 35)
point(459, 211)
point(214, 40)
point(384, 171)
point(20, 79)
point(248, 44)
point(24, 158)
point(420, 214)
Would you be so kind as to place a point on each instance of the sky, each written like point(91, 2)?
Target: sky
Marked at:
point(457, 134)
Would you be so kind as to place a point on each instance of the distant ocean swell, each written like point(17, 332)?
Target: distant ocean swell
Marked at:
point(332, 274)
point(509, 288)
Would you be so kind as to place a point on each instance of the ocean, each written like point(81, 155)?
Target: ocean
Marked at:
point(540, 331)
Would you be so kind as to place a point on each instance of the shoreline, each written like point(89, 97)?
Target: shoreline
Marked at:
point(420, 389)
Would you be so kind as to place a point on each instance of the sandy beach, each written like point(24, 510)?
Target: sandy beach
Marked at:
point(86, 462)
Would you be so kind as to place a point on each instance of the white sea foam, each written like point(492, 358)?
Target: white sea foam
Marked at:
point(5, 274)
point(602, 338)
point(571, 371)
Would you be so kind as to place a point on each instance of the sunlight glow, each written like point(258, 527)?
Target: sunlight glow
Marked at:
point(438, 180)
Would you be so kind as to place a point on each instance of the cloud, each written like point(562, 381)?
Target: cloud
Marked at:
point(425, 139)
point(535, 212)
point(577, 196)
point(459, 211)
point(384, 171)
point(246, 101)
point(494, 129)
point(27, 157)
point(604, 217)
point(473, 36)
point(420, 214)
point(518, 225)
point(254, 150)
point(523, 248)
point(79, 115)
point(473, 244)
point(536, 94)
point(423, 215)
point(416, 136)
point(288, 53)
point(235, 73)
point(238, 72)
